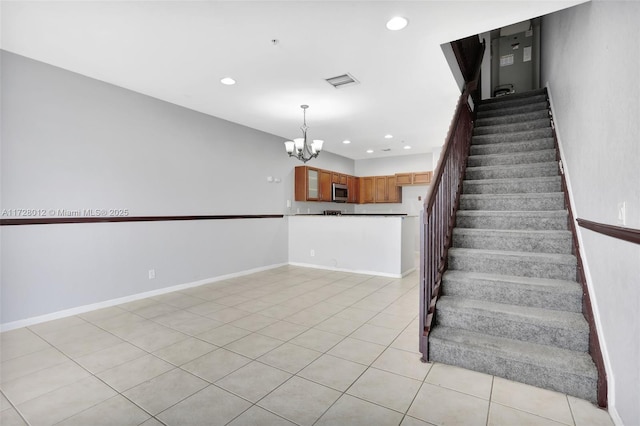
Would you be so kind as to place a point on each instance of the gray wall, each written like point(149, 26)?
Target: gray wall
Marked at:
point(591, 64)
point(71, 142)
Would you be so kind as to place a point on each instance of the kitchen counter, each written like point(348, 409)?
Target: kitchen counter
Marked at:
point(352, 214)
point(376, 243)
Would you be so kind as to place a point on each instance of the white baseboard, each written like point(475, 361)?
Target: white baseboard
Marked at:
point(112, 302)
point(353, 271)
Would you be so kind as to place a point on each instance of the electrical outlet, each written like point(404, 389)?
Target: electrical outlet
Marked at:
point(289, 204)
point(152, 274)
point(313, 253)
point(622, 213)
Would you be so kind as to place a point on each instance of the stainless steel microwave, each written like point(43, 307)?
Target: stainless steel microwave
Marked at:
point(340, 193)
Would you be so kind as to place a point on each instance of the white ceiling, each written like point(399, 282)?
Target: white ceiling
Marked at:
point(178, 51)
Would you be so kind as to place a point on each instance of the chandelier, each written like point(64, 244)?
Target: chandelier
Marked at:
point(300, 147)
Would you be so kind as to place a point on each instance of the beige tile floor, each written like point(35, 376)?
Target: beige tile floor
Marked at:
point(281, 347)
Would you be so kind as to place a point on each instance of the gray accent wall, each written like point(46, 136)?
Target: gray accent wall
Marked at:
point(591, 65)
point(71, 142)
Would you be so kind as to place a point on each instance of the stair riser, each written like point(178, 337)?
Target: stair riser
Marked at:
point(514, 127)
point(522, 109)
point(508, 222)
point(511, 159)
point(514, 328)
point(513, 294)
point(497, 203)
point(511, 147)
point(507, 265)
point(513, 118)
point(525, 171)
point(505, 103)
point(542, 133)
point(511, 187)
point(491, 363)
point(489, 241)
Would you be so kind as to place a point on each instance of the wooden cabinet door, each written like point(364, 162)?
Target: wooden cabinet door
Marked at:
point(394, 192)
point(306, 184)
point(404, 178)
point(422, 178)
point(339, 178)
point(380, 189)
point(366, 190)
point(352, 187)
point(325, 185)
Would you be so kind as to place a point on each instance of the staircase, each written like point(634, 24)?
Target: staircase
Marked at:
point(510, 303)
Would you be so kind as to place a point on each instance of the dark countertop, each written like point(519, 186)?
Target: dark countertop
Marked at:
point(352, 214)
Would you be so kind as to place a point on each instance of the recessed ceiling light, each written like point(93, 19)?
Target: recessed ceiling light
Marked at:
point(369, 151)
point(346, 141)
point(397, 23)
point(388, 136)
point(407, 147)
point(228, 81)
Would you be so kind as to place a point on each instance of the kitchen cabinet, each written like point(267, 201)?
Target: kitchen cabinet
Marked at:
point(325, 185)
point(422, 178)
point(354, 189)
point(339, 178)
point(415, 178)
point(312, 184)
point(394, 192)
point(366, 190)
point(379, 189)
point(404, 179)
point(307, 184)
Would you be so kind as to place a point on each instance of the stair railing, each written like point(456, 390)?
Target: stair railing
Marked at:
point(443, 195)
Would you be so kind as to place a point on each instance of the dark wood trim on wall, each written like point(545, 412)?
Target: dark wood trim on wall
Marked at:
point(587, 308)
point(619, 232)
point(61, 220)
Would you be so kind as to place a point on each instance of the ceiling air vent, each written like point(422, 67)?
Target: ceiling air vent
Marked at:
point(342, 80)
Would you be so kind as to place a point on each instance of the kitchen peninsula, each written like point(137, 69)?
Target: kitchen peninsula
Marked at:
point(369, 244)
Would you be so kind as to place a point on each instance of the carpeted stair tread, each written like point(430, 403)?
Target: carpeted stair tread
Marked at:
point(543, 132)
point(510, 101)
point(524, 201)
point(506, 219)
point(567, 330)
point(542, 156)
point(547, 168)
point(562, 370)
point(526, 264)
point(512, 118)
point(518, 109)
point(521, 146)
point(520, 126)
point(536, 241)
point(524, 291)
point(512, 185)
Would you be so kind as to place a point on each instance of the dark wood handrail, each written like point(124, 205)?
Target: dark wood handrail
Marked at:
point(622, 233)
point(441, 201)
point(65, 220)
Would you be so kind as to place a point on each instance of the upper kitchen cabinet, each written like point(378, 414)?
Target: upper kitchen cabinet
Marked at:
point(313, 184)
point(353, 186)
point(325, 185)
point(380, 189)
point(366, 190)
point(415, 178)
point(339, 178)
point(307, 184)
